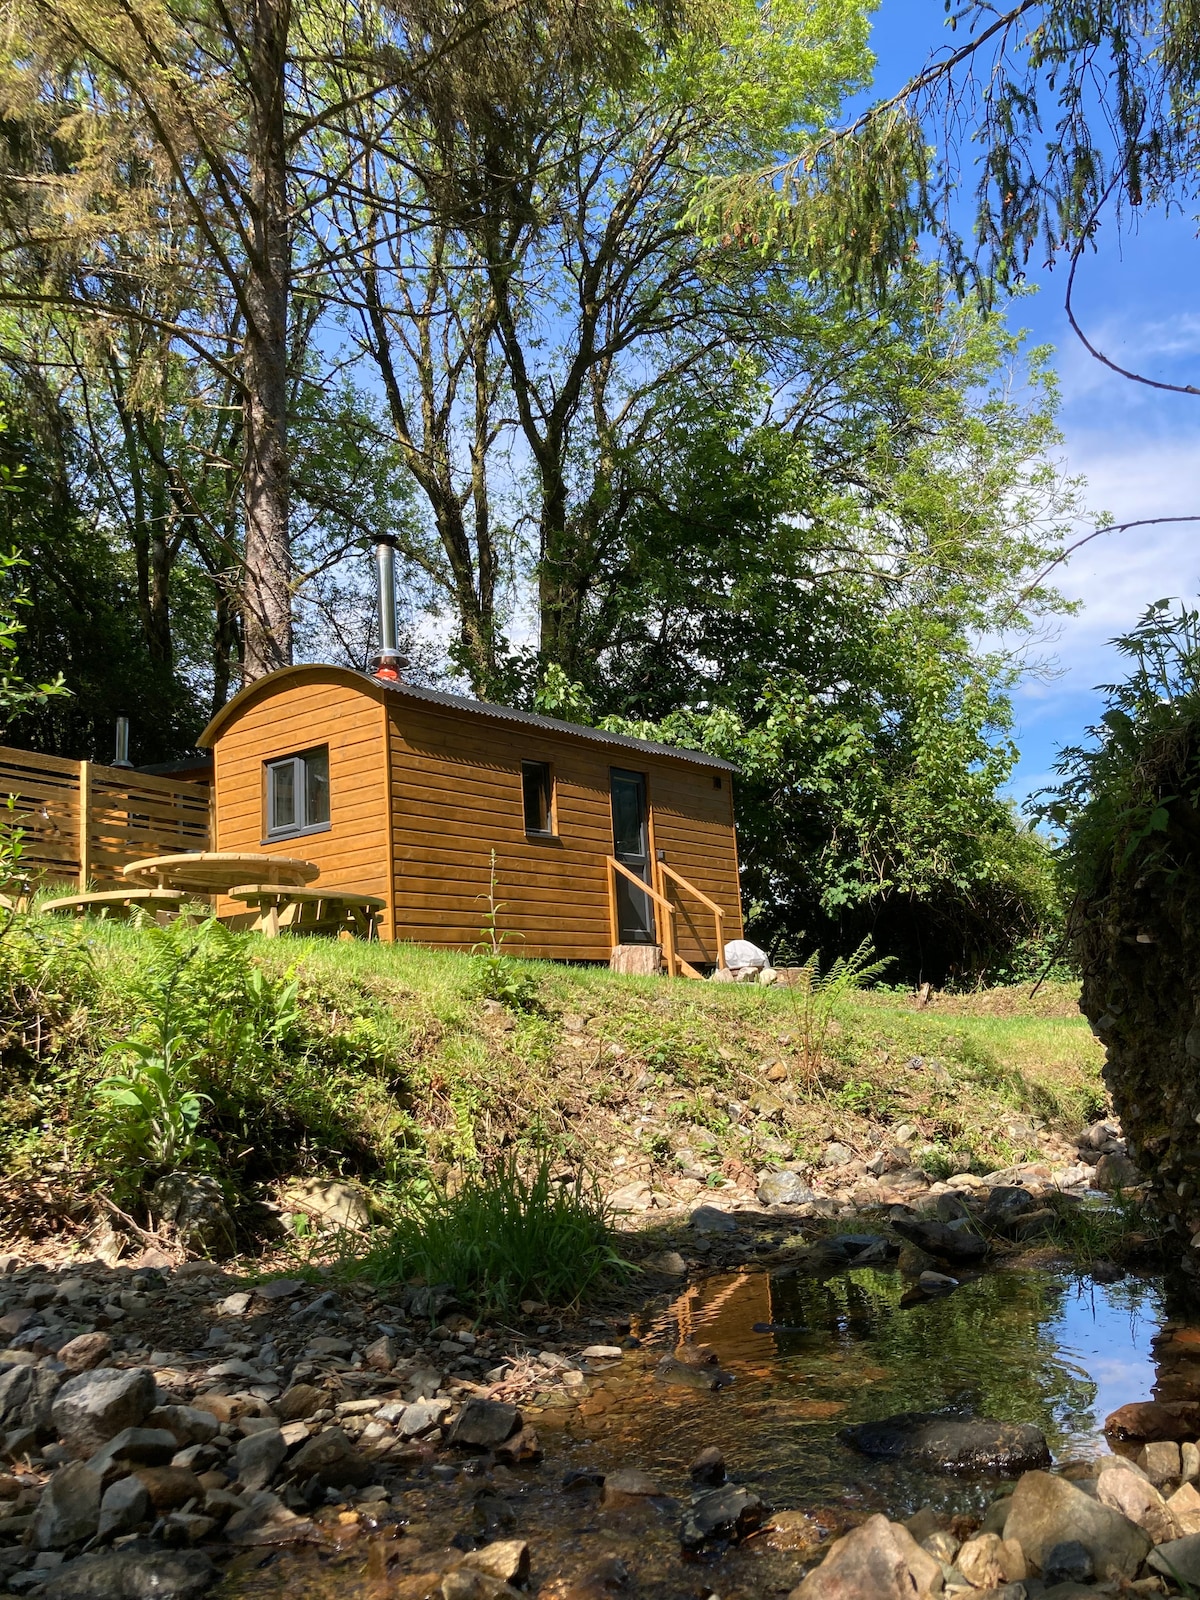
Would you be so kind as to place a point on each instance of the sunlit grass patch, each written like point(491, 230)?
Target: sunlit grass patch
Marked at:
point(504, 1235)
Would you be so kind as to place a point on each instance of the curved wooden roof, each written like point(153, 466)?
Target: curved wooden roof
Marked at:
point(412, 692)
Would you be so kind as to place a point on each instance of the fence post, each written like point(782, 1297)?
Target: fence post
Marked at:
point(85, 818)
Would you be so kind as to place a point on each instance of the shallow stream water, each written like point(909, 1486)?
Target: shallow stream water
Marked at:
point(806, 1356)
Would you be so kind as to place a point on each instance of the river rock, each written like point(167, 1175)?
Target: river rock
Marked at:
point(146, 1573)
point(1184, 1506)
point(194, 1205)
point(1005, 1203)
point(170, 1487)
point(1135, 1497)
point(1178, 1559)
point(420, 1418)
point(951, 1443)
point(711, 1219)
point(941, 1239)
point(143, 1447)
point(629, 1198)
point(123, 1506)
point(382, 1354)
point(1068, 1562)
point(936, 1283)
point(628, 1487)
point(332, 1460)
point(26, 1396)
point(1155, 1419)
point(85, 1351)
point(724, 1516)
point(506, 1559)
point(1047, 1511)
point(1115, 1172)
point(880, 1559)
point(94, 1406)
point(189, 1424)
point(468, 1583)
point(784, 1189)
point(1160, 1461)
point(483, 1424)
point(301, 1400)
point(69, 1510)
point(259, 1457)
point(708, 1468)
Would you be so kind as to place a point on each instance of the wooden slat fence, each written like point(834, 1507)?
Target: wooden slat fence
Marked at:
point(84, 821)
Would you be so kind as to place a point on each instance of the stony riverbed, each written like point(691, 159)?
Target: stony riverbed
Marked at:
point(168, 1428)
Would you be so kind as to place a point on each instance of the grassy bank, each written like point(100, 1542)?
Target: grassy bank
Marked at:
point(309, 1058)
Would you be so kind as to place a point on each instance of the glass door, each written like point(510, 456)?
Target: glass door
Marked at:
point(631, 847)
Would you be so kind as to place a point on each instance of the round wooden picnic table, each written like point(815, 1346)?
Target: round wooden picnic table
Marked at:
point(218, 871)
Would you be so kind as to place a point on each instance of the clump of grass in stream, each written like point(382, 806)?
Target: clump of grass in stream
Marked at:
point(1123, 1227)
point(504, 1235)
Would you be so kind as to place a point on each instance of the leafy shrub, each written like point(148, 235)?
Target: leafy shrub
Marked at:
point(503, 1236)
point(223, 1066)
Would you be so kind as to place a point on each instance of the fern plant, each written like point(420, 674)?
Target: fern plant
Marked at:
point(816, 995)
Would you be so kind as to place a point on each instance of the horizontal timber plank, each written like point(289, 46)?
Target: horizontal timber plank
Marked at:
point(516, 911)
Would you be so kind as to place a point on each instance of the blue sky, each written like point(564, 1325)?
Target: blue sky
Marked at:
point(1139, 449)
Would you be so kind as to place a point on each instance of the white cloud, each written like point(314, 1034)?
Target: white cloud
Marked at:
point(1116, 576)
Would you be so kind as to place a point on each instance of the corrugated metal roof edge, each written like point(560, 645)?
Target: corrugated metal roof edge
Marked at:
point(623, 741)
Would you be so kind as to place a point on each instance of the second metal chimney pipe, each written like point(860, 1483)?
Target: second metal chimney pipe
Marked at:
point(389, 660)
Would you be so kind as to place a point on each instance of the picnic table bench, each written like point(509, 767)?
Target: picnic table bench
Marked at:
point(280, 909)
point(117, 904)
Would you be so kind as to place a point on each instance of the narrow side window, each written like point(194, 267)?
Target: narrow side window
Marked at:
point(537, 787)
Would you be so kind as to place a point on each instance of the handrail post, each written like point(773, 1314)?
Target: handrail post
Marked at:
point(613, 930)
point(85, 820)
point(668, 922)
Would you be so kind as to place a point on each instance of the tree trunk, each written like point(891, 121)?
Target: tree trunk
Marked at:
point(224, 644)
point(265, 491)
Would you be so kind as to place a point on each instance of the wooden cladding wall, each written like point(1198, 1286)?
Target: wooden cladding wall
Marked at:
point(694, 828)
point(84, 822)
point(316, 709)
point(456, 796)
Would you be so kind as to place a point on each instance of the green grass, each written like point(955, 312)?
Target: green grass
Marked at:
point(504, 1235)
point(392, 1069)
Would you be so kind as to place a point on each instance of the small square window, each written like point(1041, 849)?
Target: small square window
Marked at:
point(717, 783)
point(298, 793)
point(538, 788)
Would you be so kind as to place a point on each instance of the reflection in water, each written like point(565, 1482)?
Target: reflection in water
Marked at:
point(811, 1354)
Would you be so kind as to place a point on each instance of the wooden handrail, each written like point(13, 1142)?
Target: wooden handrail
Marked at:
point(667, 931)
point(641, 884)
point(718, 914)
point(669, 872)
